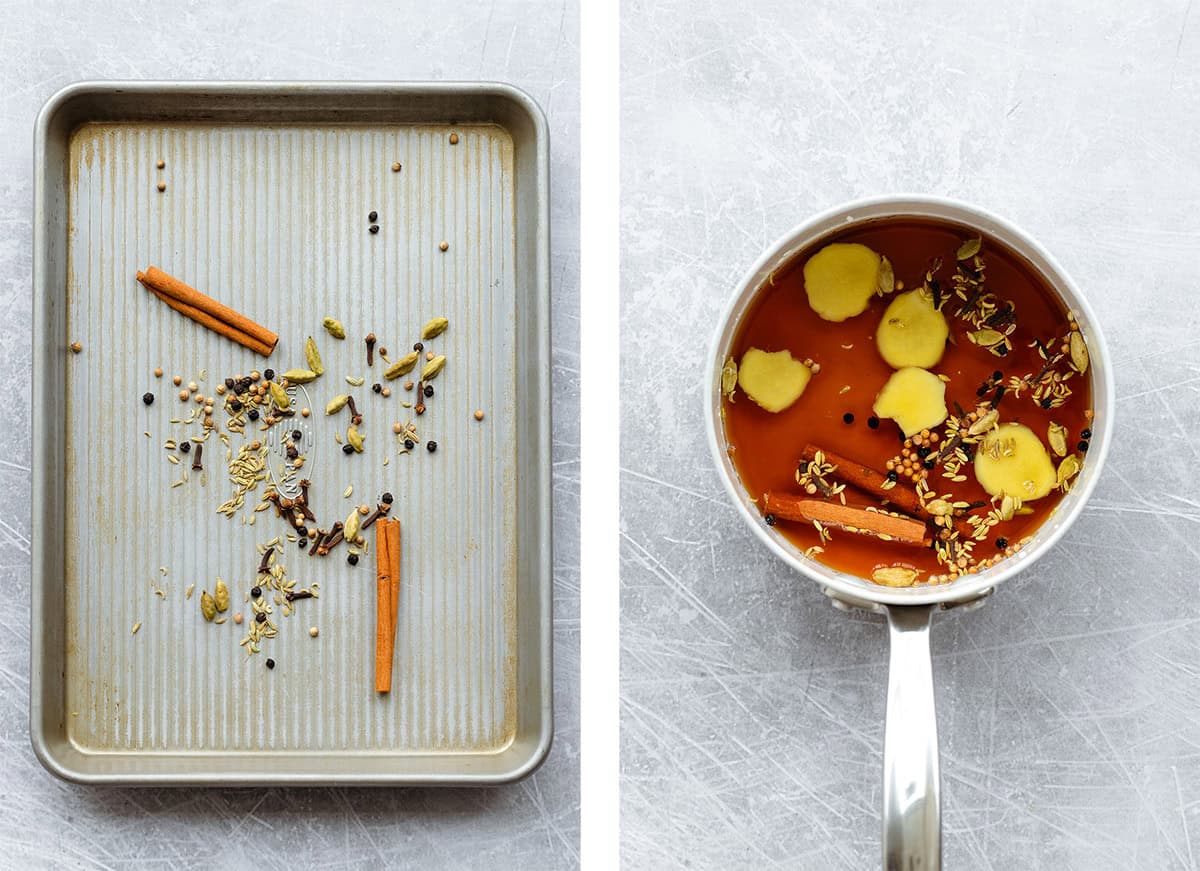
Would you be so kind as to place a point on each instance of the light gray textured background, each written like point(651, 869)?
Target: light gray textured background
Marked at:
point(47, 823)
point(1068, 707)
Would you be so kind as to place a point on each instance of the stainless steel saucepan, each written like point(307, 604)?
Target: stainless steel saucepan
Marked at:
point(911, 782)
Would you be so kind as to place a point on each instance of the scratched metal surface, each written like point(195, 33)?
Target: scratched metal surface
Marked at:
point(752, 712)
point(58, 824)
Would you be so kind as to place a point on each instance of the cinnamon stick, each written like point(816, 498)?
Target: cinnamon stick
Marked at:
point(384, 637)
point(219, 327)
point(869, 480)
point(392, 530)
point(216, 316)
point(905, 530)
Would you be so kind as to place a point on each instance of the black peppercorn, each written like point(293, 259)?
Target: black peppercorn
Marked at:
point(923, 452)
point(302, 531)
point(270, 662)
point(229, 382)
point(429, 390)
point(255, 592)
point(409, 443)
point(1047, 402)
point(847, 418)
point(297, 435)
point(303, 544)
point(352, 559)
point(1083, 446)
point(769, 519)
point(386, 498)
point(148, 398)
point(236, 405)
point(269, 374)
point(292, 453)
point(1002, 351)
point(376, 387)
point(372, 216)
point(373, 229)
point(418, 347)
point(252, 414)
point(893, 476)
point(873, 422)
point(1001, 543)
point(184, 447)
point(347, 449)
point(1085, 434)
point(431, 446)
point(997, 375)
point(930, 463)
point(260, 617)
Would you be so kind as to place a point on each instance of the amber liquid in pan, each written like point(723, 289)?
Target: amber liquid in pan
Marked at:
point(766, 447)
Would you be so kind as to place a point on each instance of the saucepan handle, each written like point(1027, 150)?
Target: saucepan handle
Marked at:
point(912, 810)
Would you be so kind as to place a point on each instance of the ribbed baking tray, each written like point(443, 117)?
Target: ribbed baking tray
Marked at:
point(268, 188)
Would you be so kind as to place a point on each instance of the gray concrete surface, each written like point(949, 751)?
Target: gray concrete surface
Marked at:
point(45, 823)
point(752, 712)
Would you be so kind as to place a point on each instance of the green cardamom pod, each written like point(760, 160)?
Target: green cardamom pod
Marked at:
point(300, 376)
point(434, 328)
point(402, 366)
point(433, 367)
point(313, 358)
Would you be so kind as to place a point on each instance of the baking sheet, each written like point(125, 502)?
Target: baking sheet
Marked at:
point(268, 188)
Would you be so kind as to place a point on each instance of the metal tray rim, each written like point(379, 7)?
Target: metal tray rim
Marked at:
point(43, 345)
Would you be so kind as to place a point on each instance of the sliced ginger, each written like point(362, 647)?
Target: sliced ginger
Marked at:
point(1012, 461)
point(840, 280)
point(912, 332)
point(914, 398)
point(773, 380)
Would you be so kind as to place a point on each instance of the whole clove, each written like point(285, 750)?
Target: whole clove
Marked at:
point(381, 511)
point(293, 595)
point(370, 349)
point(265, 565)
point(197, 465)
